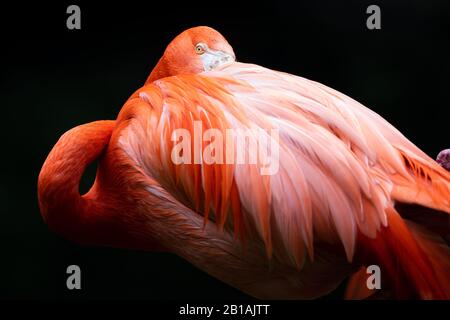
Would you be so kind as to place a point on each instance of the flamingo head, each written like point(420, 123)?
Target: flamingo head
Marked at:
point(193, 51)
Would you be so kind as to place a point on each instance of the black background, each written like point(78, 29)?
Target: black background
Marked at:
point(53, 79)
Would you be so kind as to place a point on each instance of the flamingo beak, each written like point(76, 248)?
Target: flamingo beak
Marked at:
point(213, 59)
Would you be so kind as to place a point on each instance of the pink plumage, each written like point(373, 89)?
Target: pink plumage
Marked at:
point(329, 209)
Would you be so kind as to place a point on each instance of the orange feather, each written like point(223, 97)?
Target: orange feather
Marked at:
point(329, 209)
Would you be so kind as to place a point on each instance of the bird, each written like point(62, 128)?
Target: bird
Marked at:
point(349, 191)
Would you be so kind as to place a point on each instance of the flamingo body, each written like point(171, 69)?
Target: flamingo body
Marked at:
point(332, 206)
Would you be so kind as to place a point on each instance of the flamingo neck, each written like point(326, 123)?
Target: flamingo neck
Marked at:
point(161, 70)
point(62, 207)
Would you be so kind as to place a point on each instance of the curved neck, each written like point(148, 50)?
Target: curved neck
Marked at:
point(159, 71)
point(62, 206)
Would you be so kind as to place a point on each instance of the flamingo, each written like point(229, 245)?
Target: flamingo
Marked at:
point(350, 191)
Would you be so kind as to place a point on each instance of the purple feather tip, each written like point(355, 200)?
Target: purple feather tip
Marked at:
point(443, 159)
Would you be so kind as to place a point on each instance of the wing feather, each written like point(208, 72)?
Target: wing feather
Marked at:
point(340, 164)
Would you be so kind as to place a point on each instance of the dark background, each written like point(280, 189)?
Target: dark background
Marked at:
point(53, 79)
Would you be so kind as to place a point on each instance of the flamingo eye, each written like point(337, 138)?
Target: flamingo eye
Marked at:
point(200, 48)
